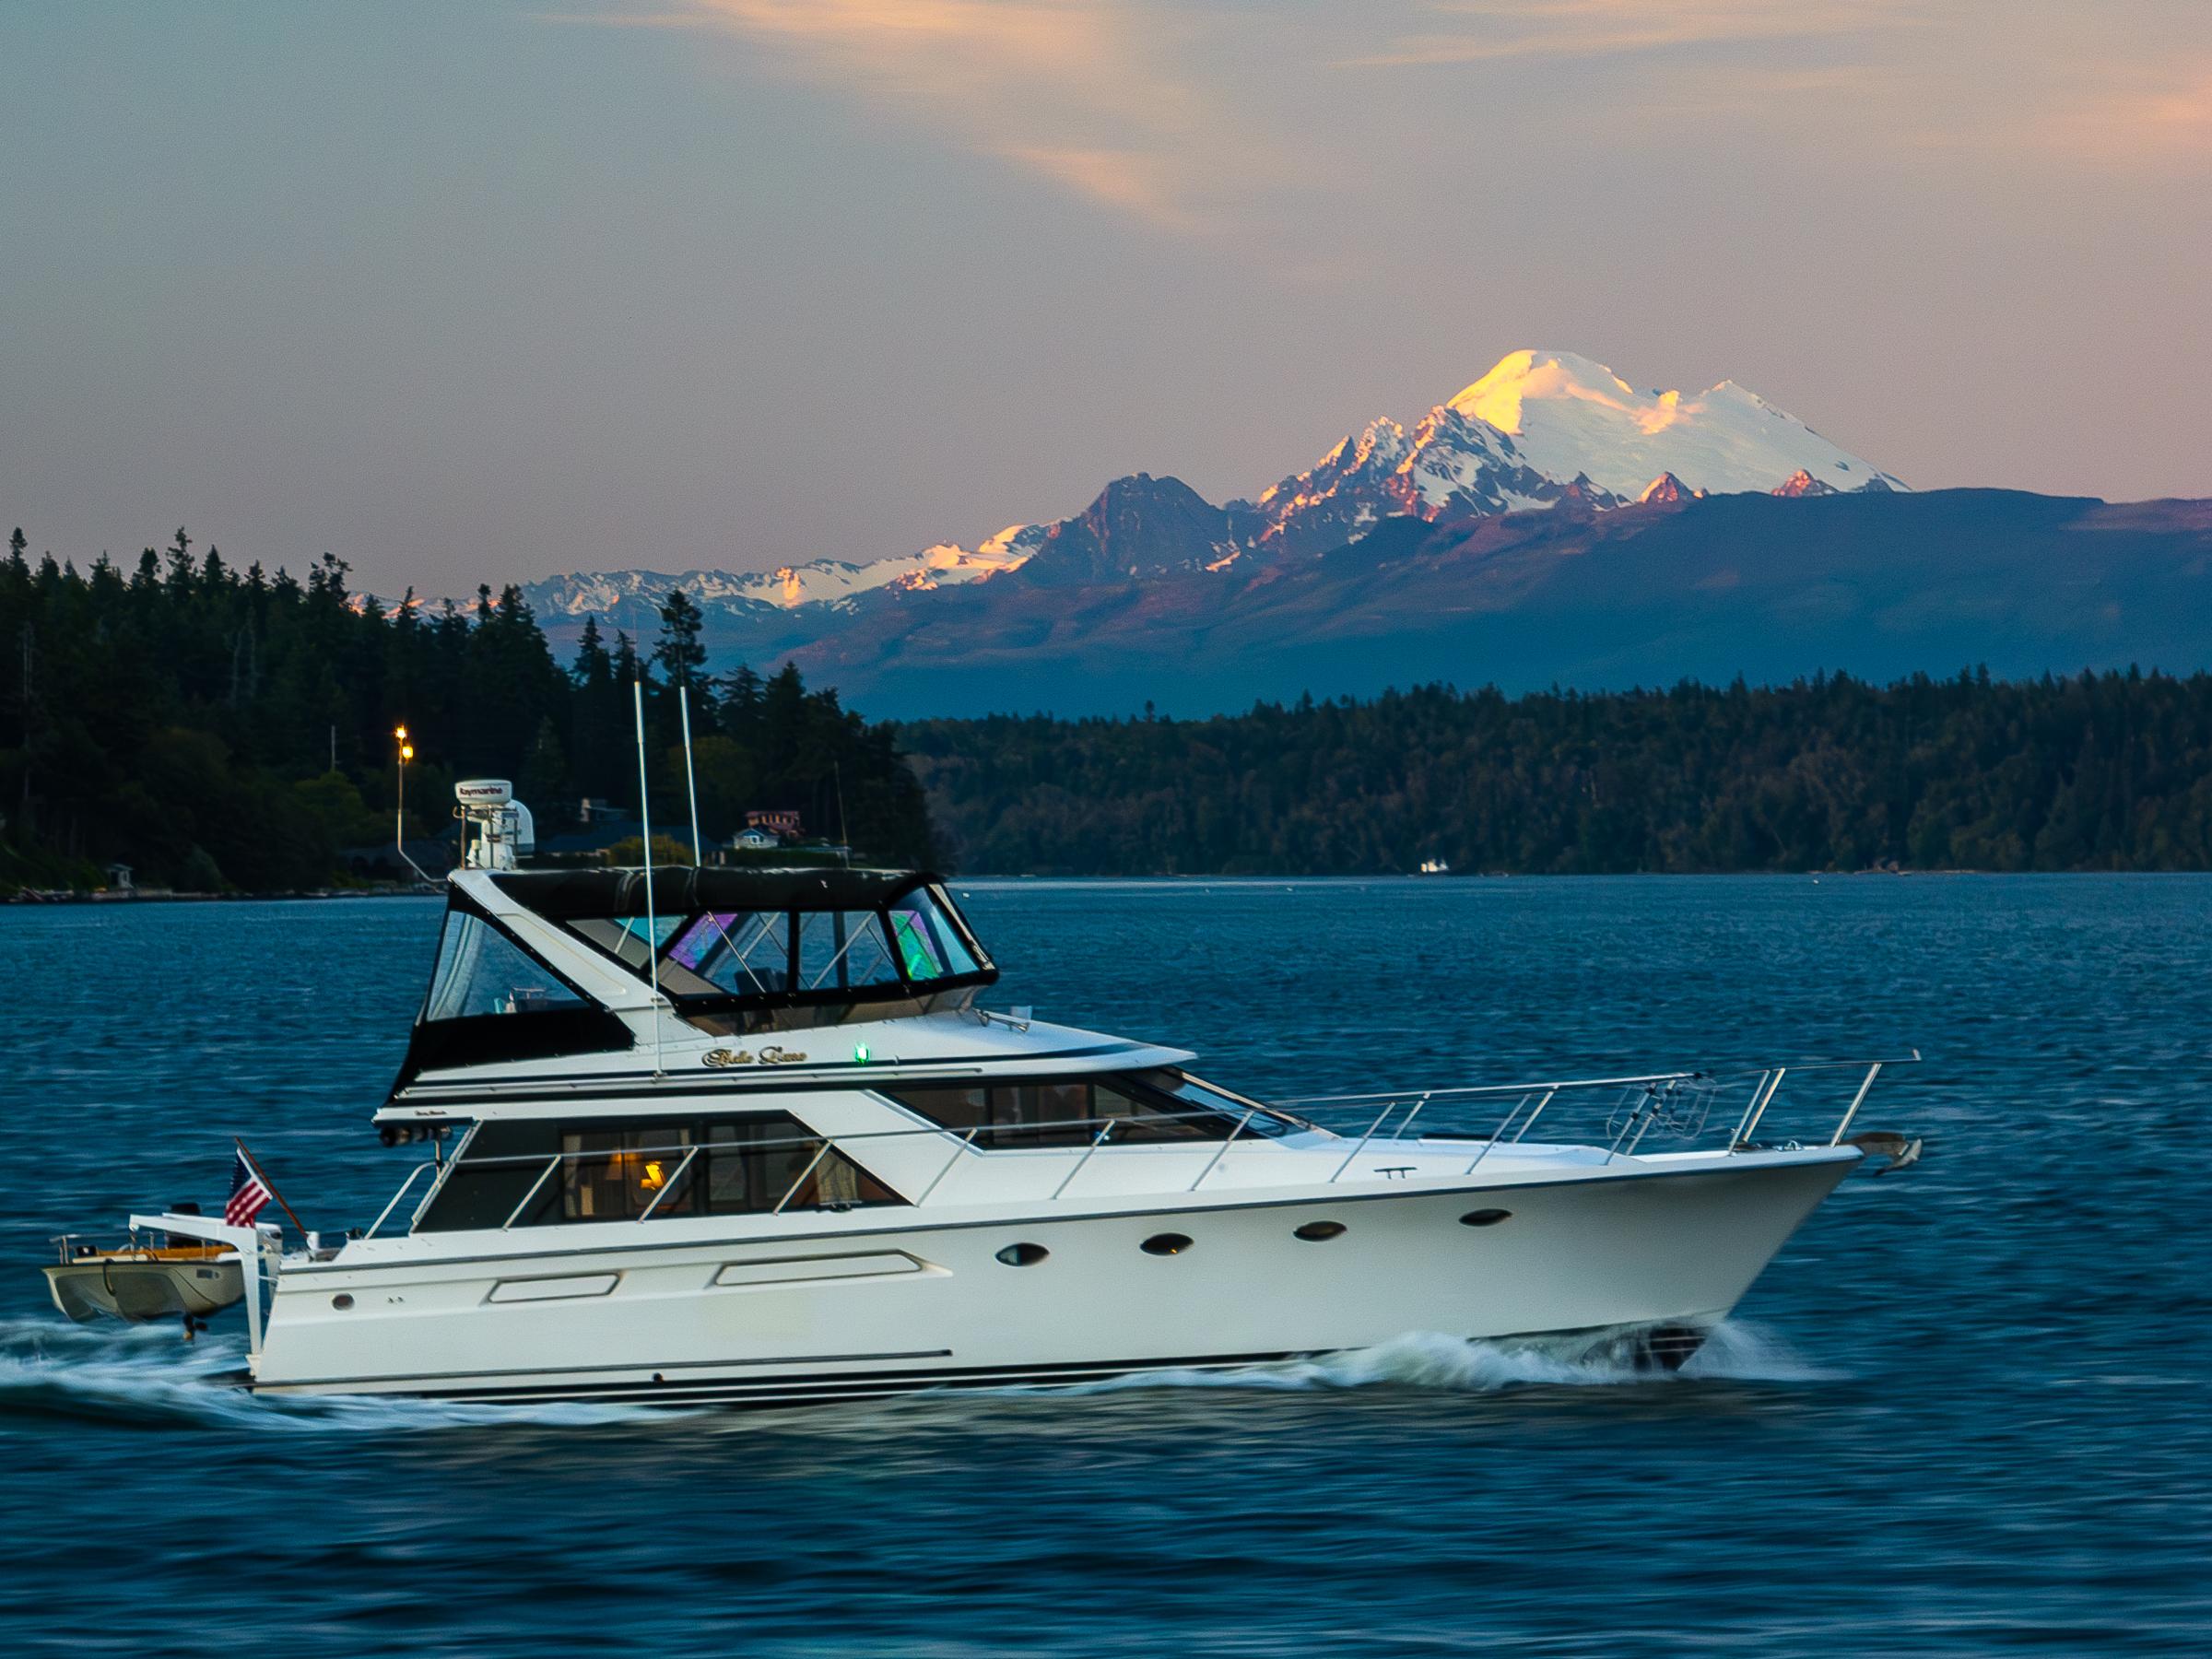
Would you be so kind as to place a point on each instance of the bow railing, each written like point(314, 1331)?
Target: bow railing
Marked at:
point(1617, 1114)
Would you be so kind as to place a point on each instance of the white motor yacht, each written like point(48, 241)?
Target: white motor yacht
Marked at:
point(744, 1136)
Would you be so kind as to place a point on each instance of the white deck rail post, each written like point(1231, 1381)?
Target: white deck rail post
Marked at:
point(1097, 1141)
point(1873, 1072)
point(1760, 1110)
point(1369, 1136)
point(1224, 1150)
point(1751, 1110)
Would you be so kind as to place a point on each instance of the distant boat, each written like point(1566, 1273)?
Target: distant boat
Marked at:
point(1435, 867)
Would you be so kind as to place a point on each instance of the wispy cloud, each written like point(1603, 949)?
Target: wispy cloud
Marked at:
point(2146, 120)
point(1172, 112)
point(1084, 93)
point(1475, 31)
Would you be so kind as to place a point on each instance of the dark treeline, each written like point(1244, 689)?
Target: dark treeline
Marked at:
point(2099, 772)
point(222, 727)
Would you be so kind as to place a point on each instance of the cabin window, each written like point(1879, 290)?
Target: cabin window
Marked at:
point(739, 953)
point(711, 959)
point(499, 1164)
point(491, 1001)
point(842, 949)
point(546, 1174)
point(1131, 1107)
point(619, 1174)
point(928, 944)
point(481, 970)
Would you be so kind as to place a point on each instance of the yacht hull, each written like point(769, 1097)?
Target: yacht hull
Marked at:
point(823, 1309)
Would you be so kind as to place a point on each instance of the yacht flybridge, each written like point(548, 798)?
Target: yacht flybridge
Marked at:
point(744, 1136)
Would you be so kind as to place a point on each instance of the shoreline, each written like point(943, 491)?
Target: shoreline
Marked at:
point(27, 897)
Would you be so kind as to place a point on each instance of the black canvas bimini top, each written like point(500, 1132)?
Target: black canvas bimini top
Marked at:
point(571, 895)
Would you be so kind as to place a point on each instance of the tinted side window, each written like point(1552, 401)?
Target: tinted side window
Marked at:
point(501, 1160)
point(617, 1174)
point(631, 1171)
point(1068, 1113)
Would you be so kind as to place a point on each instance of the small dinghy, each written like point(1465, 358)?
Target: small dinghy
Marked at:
point(142, 1282)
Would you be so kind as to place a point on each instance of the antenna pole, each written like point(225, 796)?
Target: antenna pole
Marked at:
point(652, 929)
point(683, 703)
point(844, 835)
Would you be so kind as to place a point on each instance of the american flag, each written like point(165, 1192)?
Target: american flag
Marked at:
point(249, 1194)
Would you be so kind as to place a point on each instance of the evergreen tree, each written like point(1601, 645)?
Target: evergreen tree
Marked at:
point(182, 717)
point(679, 656)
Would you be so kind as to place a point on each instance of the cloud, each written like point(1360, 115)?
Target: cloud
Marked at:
point(1081, 92)
point(2146, 121)
point(1495, 30)
point(1142, 185)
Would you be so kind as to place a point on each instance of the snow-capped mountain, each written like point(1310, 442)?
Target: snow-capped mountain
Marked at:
point(1544, 427)
point(1568, 416)
point(1541, 428)
point(615, 594)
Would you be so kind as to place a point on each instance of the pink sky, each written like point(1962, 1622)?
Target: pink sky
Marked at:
point(498, 291)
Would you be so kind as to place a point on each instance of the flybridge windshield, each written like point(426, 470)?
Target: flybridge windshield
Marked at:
point(481, 972)
point(838, 941)
point(491, 1000)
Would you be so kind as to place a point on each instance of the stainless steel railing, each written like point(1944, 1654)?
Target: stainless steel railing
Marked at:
point(1679, 1103)
point(822, 1145)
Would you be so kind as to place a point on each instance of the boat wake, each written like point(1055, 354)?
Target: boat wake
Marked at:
point(1735, 1352)
point(142, 1376)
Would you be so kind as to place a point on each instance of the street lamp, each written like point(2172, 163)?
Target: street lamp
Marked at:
point(399, 834)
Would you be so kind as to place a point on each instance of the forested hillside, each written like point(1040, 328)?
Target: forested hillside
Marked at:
point(220, 728)
point(2106, 772)
point(225, 728)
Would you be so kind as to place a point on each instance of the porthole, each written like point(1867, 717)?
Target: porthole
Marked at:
point(1023, 1255)
point(1165, 1244)
point(1485, 1217)
point(1313, 1232)
point(341, 1301)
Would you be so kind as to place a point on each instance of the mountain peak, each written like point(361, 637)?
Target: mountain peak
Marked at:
point(1138, 525)
point(1802, 483)
point(1518, 376)
point(1558, 413)
point(1669, 489)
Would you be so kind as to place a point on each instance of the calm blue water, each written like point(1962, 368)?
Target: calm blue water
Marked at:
point(1967, 1410)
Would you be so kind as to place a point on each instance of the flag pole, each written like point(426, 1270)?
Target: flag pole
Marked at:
point(261, 1175)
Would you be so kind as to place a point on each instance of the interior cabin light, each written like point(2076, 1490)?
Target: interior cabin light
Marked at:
point(860, 1053)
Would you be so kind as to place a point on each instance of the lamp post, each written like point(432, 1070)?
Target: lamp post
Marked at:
point(399, 835)
point(406, 753)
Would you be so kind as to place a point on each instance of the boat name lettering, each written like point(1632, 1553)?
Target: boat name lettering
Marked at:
point(771, 1056)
